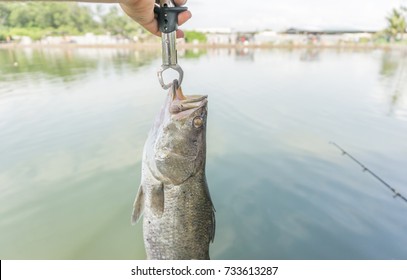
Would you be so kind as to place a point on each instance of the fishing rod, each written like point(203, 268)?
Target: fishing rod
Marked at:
point(365, 169)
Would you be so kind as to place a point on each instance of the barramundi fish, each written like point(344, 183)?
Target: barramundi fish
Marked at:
point(178, 214)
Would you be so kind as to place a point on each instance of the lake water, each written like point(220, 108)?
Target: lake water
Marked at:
point(73, 123)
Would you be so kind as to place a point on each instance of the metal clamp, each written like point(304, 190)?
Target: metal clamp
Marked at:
point(167, 17)
point(175, 67)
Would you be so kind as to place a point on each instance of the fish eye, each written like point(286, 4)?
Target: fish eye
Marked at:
point(197, 122)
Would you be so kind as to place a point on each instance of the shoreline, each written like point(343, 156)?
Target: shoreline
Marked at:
point(157, 46)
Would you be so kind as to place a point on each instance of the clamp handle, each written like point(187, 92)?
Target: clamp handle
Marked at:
point(168, 17)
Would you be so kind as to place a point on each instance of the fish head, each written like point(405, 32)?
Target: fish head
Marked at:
point(180, 146)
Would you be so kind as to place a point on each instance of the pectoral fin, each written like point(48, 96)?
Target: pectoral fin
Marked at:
point(157, 200)
point(138, 206)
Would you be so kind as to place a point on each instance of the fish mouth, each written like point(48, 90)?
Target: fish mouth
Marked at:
point(186, 104)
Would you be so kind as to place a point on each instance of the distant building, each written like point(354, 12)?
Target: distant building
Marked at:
point(330, 37)
point(219, 36)
point(227, 36)
point(87, 39)
point(22, 40)
point(245, 38)
point(266, 37)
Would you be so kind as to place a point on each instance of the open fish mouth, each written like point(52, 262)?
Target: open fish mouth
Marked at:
point(186, 104)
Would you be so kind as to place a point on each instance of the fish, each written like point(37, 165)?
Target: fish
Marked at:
point(173, 196)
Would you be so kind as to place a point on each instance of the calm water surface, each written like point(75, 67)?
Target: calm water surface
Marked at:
point(73, 123)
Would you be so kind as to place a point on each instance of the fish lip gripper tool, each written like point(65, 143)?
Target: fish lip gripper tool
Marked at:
point(167, 16)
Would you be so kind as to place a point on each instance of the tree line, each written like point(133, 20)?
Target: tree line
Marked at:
point(40, 19)
point(396, 24)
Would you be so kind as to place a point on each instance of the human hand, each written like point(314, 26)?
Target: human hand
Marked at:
point(142, 12)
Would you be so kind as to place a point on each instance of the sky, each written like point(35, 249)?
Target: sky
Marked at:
point(282, 14)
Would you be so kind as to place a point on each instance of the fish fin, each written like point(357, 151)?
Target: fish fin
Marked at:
point(213, 218)
point(138, 206)
point(157, 199)
point(213, 229)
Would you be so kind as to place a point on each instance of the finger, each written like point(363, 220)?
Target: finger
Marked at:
point(180, 2)
point(180, 33)
point(144, 15)
point(153, 27)
point(183, 17)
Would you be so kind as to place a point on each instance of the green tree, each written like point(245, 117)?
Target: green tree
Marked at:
point(82, 19)
point(22, 16)
point(194, 36)
point(396, 24)
point(4, 14)
point(53, 16)
point(37, 19)
point(117, 23)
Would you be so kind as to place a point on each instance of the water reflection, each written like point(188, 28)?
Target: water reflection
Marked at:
point(69, 64)
point(245, 54)
point(394, 76)
point(58, 63)
point(192, 53)
point(310, 54)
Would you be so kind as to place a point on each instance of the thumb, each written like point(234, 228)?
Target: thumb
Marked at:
point(180, 2)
